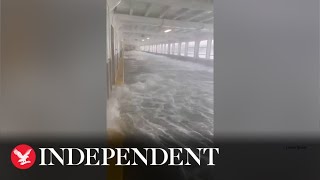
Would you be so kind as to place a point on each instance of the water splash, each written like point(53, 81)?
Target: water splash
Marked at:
point(167, 98)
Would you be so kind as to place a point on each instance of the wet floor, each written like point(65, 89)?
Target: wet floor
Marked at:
point(166, 99)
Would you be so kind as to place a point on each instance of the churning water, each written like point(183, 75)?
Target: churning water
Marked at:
point(165, 99)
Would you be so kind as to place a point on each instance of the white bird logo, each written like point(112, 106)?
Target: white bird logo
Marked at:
point(22, 158)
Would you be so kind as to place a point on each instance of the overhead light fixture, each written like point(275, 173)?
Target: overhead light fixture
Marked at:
point(148, 38)
point(168, 30)
point(142, 39)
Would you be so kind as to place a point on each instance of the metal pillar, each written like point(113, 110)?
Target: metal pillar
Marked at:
point(196, 49)
point(208, 48)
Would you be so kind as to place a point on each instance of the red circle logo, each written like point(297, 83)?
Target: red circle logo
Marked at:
point(23, 156)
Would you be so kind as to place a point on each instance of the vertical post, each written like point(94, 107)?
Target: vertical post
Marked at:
point(163, 48)
point(208, 48)
point(172, 48)
point(196, 49)
point(187, 47)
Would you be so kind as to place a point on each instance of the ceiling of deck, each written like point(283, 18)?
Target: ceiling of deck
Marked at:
point(144, 21)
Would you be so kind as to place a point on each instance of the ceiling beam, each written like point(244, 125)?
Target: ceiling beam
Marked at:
point(171, 35)
point(198, 15)
point(164, 12)
point(166, 23)
point(182, 14)
point(143, 36)
point(189, 4)
point(137, 39)
point(153, 34)
point(148, 10)
point(131, 4)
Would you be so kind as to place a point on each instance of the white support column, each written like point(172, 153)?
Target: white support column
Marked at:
point(208, 48)
point(179, 48)
point(196, 49)
point(186, 50)
point(163, 48)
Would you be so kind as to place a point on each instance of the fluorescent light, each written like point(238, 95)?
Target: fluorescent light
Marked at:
point(148, 38)
point(168, 30)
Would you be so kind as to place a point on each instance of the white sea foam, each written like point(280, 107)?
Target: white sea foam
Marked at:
point(113, 108)
point(164, 98)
